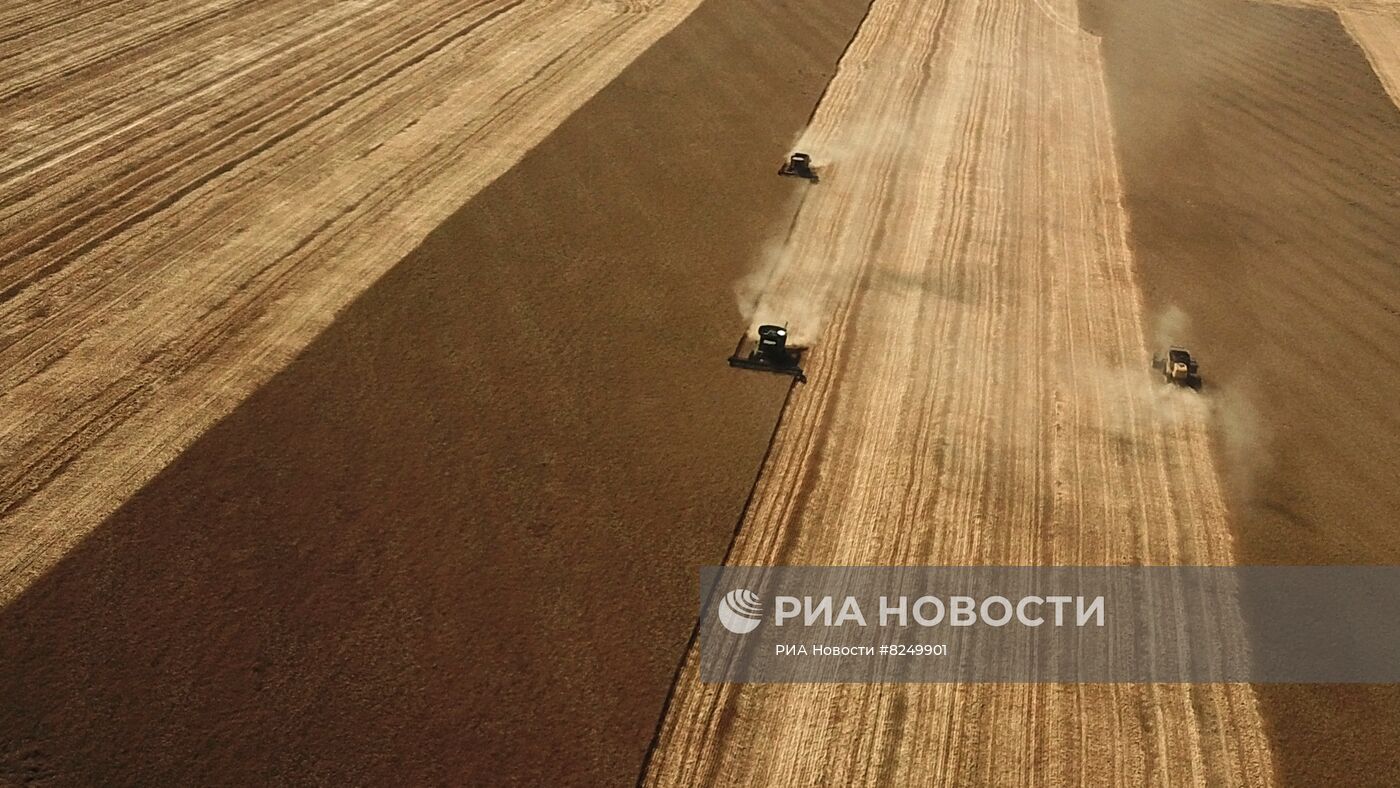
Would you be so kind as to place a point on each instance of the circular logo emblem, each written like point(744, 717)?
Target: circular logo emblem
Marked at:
point(740, 611)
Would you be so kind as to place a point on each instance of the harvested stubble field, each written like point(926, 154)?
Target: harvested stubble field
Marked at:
point(978, 396)
point(192, 191)
point(362, 408)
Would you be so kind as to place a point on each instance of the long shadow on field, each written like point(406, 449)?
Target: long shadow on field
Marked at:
point(1262, 166)
point(456, 541)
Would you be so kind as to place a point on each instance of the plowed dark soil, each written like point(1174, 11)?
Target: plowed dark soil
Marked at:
point(1263, 183)
point(456, 540)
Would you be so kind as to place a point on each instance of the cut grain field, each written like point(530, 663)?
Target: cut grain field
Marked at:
point(192, 190)
point(1259, 190)
point(978, 397)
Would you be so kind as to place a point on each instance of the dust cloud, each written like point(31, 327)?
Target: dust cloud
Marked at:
point(1133, 400)
point(785, 287)
point(1244, 439)
point(1169, 329)
point(779, 291)
point(757, 296)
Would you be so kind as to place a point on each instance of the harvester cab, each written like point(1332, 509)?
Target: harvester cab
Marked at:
point(1178, 367)
point(770, 353)
point(799, 165)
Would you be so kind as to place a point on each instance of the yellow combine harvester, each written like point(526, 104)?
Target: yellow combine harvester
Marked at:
point(1178, 367)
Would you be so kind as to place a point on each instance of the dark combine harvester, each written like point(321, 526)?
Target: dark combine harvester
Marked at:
point(769, 354)
point(799, 166)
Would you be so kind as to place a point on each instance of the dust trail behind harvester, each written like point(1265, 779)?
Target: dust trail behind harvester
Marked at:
point(1169, 328)
point(834, 223)
point(1244, 436)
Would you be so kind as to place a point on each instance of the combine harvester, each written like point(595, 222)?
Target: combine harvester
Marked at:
point(799, 166)
point(769, 354)
point(1178, 367)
